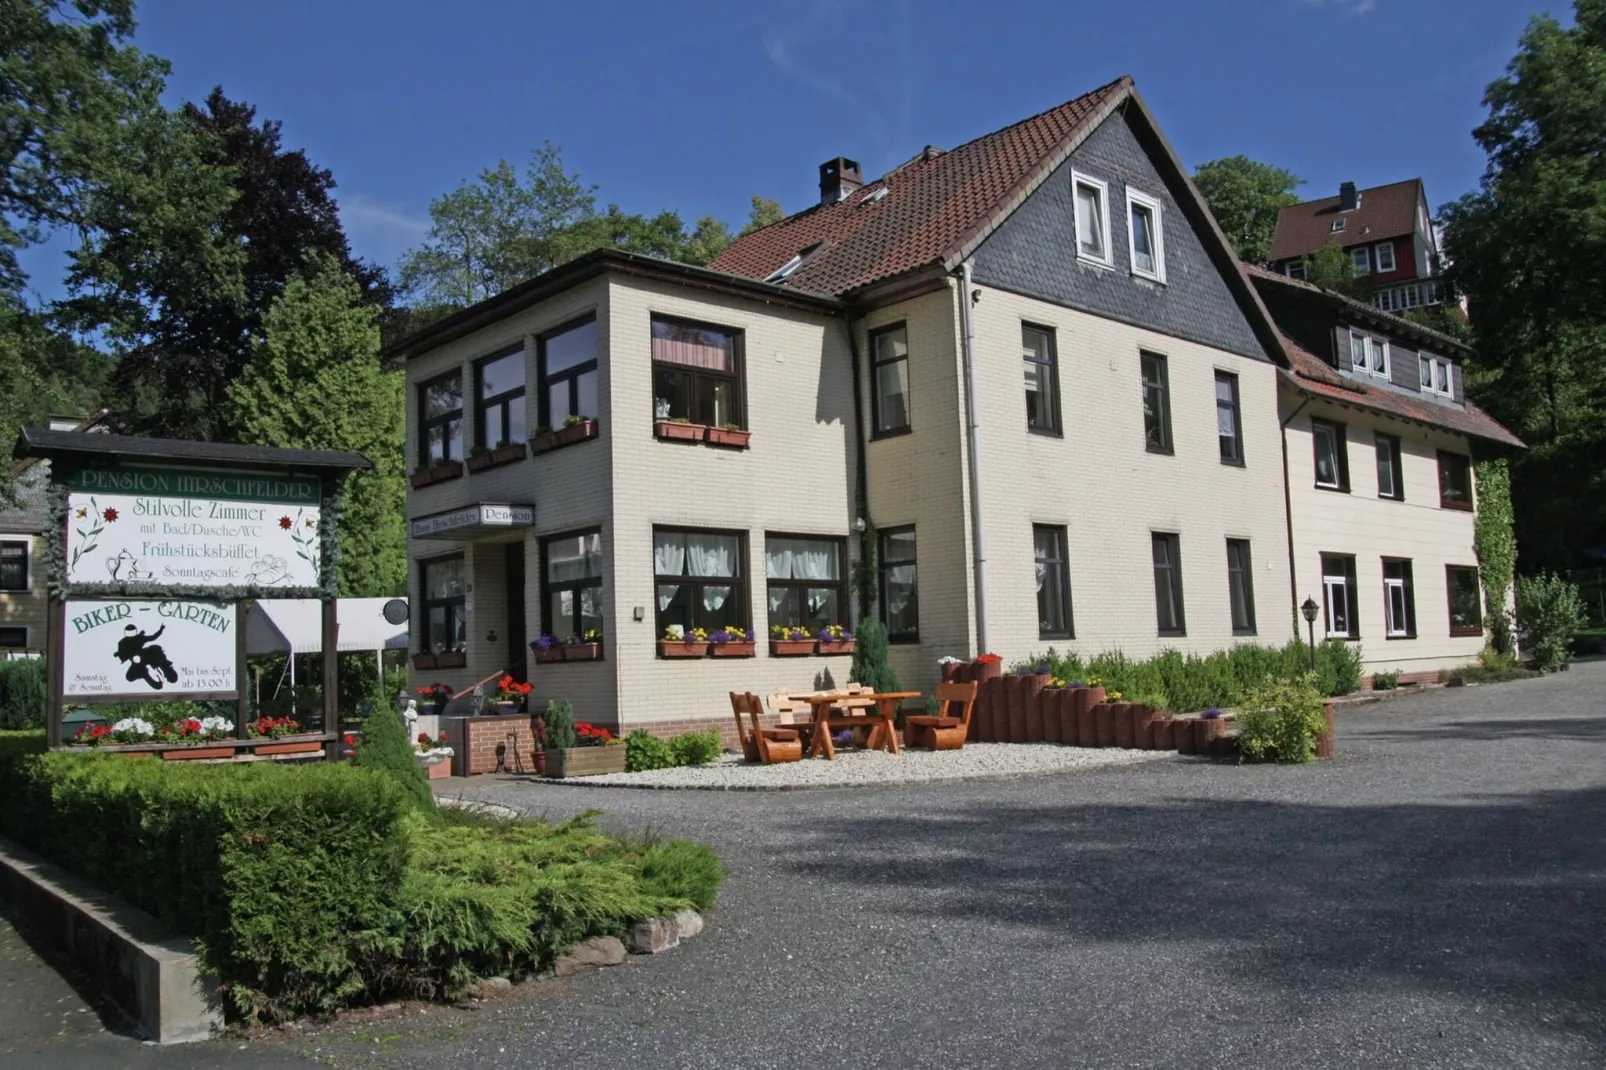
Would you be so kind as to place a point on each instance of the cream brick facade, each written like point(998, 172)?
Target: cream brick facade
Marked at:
point(26, 609)
point(1370, 528)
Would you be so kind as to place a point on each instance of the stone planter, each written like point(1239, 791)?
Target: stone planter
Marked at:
point(733, 650)
point(675, 648)
point(1051, 700)
point(1205, 733)
point(1120, 725)
point(1183, 732)
point(438, 473)
point(726, 436)
point(1161, 734)
point(791, 648)
point(438, 771)
point(673, 431)
point(1143, 719)
point(584, 761)
point(846, 647)
point(567, 435)
point(1103, 725)
point(479, 462)
point(306, 746)
point(582, 652)
point(186, 754)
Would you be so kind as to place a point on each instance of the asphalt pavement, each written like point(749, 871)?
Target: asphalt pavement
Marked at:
point(1432, 897)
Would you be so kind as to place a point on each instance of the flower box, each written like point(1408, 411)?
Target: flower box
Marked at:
point(479, 462)
point(549, 655)
point(305, 746)
point(438, 771)
point(674, 431)
point(505, 708)
point(563, 436)
point(436, 473)
point(582, 652)
point(180, 754)
point(584, 761)
point(791, 648)
point(455, 660)
point(424, 661)
point(844, 647)
point(674, 648)
point(733, 650)
point(727, 436)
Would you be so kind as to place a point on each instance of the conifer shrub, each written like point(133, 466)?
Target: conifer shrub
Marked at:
point(872, 666)
point(22, 694)
point(559, 718)
point(385, 748)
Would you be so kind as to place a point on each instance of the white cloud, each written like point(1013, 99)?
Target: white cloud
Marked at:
point(378, 231)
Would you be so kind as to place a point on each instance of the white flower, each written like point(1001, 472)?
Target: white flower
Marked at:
point(134, 724)
point(216, 724)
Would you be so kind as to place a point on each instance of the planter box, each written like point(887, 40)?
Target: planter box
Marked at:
point(838, 648)
point(308, 746)
point(733, 650)
point(582, 652)
point(1182, 731)
point(791, 648)
point(668, 648)
point(479, 462)
point(671, 431)
point(505, 708)
point(439, 473)
point(549, 655)
point(451, 661)
point(1205, 734)
point(1162, 734)
point(423, 661)
point(196, 753)
point(438, 771)
point(1121, 725)
point(563, 436)
point(724, 436)
point(584, 761)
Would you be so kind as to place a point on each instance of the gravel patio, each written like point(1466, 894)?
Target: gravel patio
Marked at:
point(1430, 898)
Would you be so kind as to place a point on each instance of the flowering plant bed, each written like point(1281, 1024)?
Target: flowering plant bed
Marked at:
point(589, 735)
point(587, 646)
point(271, 728)
point(681, 642)
point(835, 639)
point(730, 643)
point(788, 642)
point(596, 751)
point(436, 695)
point(679, 430)
point(547, 649)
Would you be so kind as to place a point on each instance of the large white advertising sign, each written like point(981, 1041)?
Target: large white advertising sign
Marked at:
point(150, 649)
point(192, 529)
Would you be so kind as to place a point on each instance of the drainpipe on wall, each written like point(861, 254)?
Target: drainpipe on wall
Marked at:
point(978, 533)
point(861, 477)
point(1288, 520)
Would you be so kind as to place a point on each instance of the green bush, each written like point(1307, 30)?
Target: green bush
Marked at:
point(22, 694)
point(1339, 667)
point(696, 748)
point(679, 869)
point(559, 718)
point(871, 664)
point(385, 748)
point(1549, 614)
point(644, 751)
point(1385, 681)
point(1281, 720)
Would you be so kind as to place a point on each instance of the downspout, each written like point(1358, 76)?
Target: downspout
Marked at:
point(978, 532)
point(861, 476)
point(1288, 518)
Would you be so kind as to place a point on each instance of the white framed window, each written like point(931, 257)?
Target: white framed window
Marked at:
point(1145, 235)
point(1385, 256)
point(1357, 351)
point(1296, 269)
point(1399, 600)
point(1338, 224)
point(1380, 357)
point(1368, 354)
point(1092, 219)
point(1361, 261)
point(1435, 375)
point(1339, 594)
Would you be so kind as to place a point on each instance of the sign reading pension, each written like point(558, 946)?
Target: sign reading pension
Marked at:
point(139, 649)
point(193, 528)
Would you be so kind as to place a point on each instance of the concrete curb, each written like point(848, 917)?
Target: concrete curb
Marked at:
point(147, 972)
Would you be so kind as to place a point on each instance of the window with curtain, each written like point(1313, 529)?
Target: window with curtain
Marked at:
point(1053, 583)
point(566, 360)
point(900, 588)
point(1241, 587)
point(440, 425)
point(1399, 599)
point(1042, 378)
point(571, 583)
point(13, 566)
point(699, 576)
point(1340, 596)
point(889, 371)
point(1332, 461)
point(1156, 403)
point(499, 404)
point(1167, 550)
point(1388, 468)
point(696, 373)
point(1455, 481)
point(1229, 432)
point(807, 580)
point(444, 615)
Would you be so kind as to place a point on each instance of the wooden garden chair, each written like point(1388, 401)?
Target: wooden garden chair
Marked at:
point(945, 731)
point(770, 745)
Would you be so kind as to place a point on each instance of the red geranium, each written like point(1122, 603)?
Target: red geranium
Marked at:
point(351, 740)
point(989, 659)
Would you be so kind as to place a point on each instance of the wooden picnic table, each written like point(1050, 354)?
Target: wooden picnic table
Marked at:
point(883, 732)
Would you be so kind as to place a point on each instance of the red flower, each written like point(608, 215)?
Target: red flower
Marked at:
point(351, 740)
point(110, 515)
point(285, 523)
point(441, 738)
point(423, 737)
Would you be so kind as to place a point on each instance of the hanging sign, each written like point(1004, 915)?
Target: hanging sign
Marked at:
point(193, 529)
point(149, 649)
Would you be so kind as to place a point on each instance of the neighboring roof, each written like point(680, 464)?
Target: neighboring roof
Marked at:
point(39, 442)
point(587, 267)
point(31, 475)
point(1398, 324)
point(931, 204)
point(1385, 212)
point(295, 625)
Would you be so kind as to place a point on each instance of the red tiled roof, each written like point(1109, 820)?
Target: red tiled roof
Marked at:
point(1385, 212)
point(1400, 323)
point(933, 205)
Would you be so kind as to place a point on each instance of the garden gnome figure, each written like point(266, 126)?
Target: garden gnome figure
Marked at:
point(409, 715)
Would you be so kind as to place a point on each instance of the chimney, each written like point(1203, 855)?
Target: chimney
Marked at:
point(1348, 199)
point(839, 178)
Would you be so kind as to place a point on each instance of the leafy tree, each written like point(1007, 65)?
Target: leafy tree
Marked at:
point(1529, 250)
point(1332, 268)
point(764, 213)
point(314, 381)
point(1245, 196)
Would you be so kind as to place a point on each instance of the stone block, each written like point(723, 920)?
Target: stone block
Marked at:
point(589, 954)
point(652, 936)
point(688, 923)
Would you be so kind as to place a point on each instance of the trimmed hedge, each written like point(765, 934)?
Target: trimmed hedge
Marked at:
point(22, 694)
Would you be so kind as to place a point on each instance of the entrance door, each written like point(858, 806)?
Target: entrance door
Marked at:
point(517, 656)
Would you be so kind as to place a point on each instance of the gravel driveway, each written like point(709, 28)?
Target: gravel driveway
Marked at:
point(1431, 898)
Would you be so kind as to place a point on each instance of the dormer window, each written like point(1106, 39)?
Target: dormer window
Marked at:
point(1368, 355)
point(1092, 219)
point(1145, 238)
point(1339, 224)
point(1436, 376)
point(1360, 261)
point(793, 264)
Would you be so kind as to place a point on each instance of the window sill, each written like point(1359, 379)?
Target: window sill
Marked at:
point(1467, 633)
point(1158, 280)
point(1045, 432)
point(1233, 464)
point(508, 454)
point(1331, 489)
point(548, 441)
point(1460, 507)
point(1165, 633)
point(1391, 497)
point(1056, 635)
point(1245, 633)
point(1161, 451)
point(896, 432)
point(1092, 261)
point(436, 473)
point(1398, 638)
point(903, 640)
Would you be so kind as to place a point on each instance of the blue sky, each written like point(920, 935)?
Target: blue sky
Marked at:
point(699, 104)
